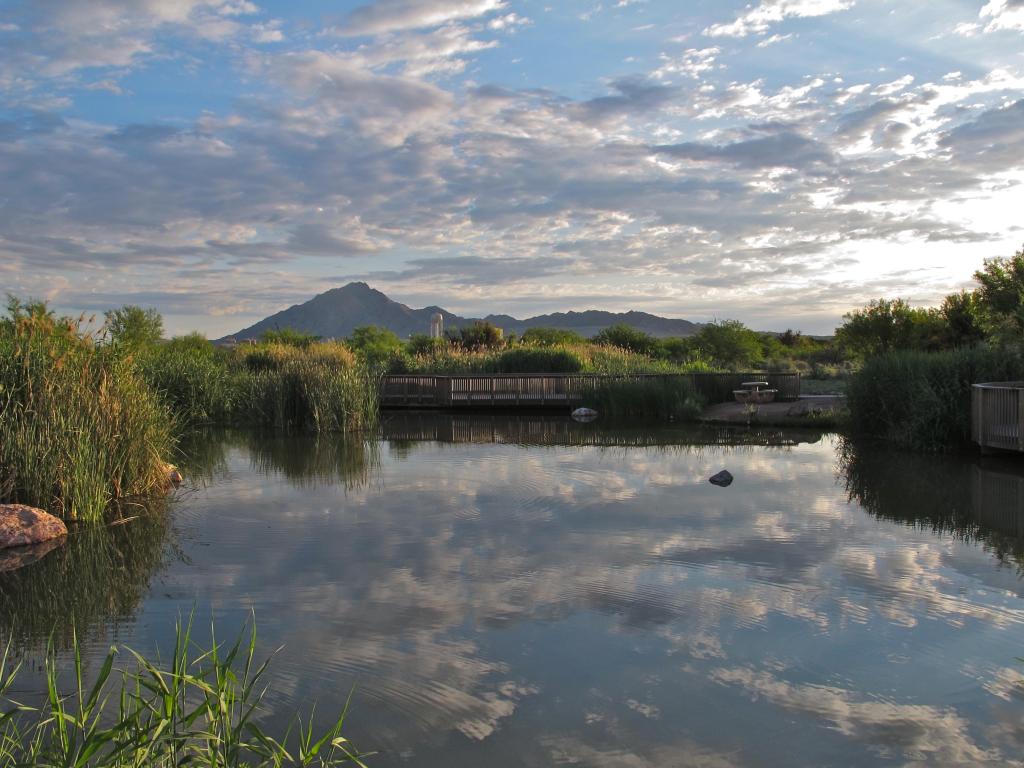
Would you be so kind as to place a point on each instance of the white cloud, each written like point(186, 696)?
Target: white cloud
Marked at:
point(759, 19)
point(393, 15)
point(1003, 14)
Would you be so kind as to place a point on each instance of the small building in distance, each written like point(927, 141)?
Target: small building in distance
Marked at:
point(436, 325)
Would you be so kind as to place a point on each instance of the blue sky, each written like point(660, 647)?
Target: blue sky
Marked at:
point(778, 161)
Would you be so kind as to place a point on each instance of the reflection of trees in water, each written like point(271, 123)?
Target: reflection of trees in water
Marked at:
point(97, 578)
point(403, 428)
point(971, 500)
point(305, 460)
point(302, 459)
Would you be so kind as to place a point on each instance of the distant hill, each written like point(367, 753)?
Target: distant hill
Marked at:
point(335, 313)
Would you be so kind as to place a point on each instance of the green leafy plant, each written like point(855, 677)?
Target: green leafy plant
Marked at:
point(201, 709)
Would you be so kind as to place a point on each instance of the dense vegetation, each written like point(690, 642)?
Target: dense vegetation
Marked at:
point(914, 386)
point(91, 416)
point(481, 348)
point(200, 709)
point(79, 425)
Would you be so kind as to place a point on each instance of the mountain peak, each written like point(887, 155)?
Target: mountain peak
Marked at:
point(335, 313)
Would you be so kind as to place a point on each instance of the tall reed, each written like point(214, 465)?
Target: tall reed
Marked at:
point(665, 398)
point(201, 710)
point(318, 387)
point(921, 400)
point(79, 426)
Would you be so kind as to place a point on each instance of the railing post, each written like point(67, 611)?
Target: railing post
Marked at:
point(976, 395)
point(1020, 419)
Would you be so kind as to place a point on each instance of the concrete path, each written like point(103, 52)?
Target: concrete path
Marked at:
point(823, 410)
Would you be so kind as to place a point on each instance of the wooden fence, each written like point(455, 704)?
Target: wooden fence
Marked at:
point(542, 390)
point(997, 415)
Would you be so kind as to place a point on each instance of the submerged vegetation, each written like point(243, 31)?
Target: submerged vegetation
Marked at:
point(200, 710)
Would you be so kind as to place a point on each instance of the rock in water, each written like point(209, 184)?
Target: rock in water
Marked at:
point(13, 558)
point(21, 525)
point(722, 479)
point(584, 414)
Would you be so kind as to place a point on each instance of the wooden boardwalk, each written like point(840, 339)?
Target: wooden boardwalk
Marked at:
point(997, 415)
point(547, 390)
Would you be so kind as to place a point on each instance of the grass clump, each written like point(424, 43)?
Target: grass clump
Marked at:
point(199, 710)
point(921, 400)
point(665, 398)
point(79, 425)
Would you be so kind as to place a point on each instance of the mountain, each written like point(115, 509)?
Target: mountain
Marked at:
point(335, 313)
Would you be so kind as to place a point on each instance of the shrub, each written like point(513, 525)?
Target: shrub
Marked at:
point(548, 337)
point(537, 360)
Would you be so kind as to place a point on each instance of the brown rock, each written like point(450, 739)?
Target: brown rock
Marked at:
point(21, 525)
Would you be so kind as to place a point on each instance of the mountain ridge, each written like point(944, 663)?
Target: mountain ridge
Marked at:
point(335, 313)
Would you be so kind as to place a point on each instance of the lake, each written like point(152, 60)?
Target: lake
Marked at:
point(503, 591)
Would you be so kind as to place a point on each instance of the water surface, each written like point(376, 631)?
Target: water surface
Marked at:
point(532, 592)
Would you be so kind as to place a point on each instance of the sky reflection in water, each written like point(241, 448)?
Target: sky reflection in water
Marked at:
point(508, 604)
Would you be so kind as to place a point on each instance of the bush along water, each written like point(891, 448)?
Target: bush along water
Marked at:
point(921, 400)
point(79, 425)
point(200, 709)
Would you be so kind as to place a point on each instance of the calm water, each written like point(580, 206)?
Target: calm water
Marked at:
point(534, 592)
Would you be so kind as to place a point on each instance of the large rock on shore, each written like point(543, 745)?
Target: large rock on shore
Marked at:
point(21, 525)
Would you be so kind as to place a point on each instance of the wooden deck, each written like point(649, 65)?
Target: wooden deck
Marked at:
point(997, 415)
point(537, 390)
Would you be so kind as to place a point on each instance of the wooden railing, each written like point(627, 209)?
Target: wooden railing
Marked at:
point(553, 389)
point(997, 415)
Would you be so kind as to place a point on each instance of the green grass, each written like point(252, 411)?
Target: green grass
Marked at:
point(922, 400)
point(79, 426)
point(200, 709)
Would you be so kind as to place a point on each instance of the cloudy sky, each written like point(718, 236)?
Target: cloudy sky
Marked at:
point(777, 161)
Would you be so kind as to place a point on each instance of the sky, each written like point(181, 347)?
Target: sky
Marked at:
point(780, 162)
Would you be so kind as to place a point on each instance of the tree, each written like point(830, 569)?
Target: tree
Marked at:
point(548, 337)
point(962, 313)
point(676, 349)
point(373, 343)
point(421, 344)
point(729, 344)
point(1001, 296)
point(627, 337)
point(133, 327)
point(886, 325)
